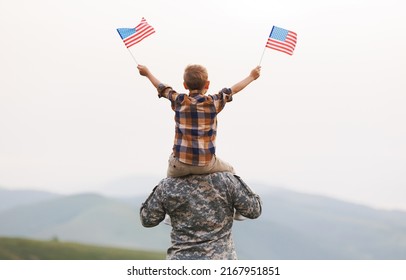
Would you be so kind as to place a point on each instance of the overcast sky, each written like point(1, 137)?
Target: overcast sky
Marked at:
point(74, 112)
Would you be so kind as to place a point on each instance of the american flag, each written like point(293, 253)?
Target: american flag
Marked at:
point(282, 40)
point(132, 36)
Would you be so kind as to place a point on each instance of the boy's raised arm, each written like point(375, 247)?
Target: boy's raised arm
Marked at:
point(255, 73)
point(144, 71)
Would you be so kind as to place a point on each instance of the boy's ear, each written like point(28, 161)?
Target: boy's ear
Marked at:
point(185, 85)
point(207, 85)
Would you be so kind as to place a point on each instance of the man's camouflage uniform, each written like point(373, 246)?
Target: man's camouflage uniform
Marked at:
point(201, 208)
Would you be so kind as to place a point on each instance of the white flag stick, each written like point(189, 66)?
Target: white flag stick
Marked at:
point(133, 56)
point(262, 56)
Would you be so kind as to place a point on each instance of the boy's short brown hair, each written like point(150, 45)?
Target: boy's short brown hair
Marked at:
point(195, 77)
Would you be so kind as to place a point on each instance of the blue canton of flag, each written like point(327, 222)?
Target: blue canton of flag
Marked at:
point(279, 33)
point(125, 32)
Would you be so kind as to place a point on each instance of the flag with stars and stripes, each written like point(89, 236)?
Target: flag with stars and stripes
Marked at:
point(132, 36)
point(282, 40)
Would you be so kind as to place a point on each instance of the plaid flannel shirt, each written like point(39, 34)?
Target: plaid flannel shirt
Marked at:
point(196, 123)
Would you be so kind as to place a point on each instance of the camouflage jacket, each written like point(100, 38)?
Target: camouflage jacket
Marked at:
point(201, 208)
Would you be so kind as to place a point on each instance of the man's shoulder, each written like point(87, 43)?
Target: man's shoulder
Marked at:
point(222, 176)
point(194, 179)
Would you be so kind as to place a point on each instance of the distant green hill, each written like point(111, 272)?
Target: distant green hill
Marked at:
point(85, 218)
point(14, 198)
point(26, 249)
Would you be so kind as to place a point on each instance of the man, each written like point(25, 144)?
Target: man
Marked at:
point(201, 208)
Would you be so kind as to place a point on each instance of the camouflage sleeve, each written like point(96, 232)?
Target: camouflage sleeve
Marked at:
point(246, 202)
point(152, 211)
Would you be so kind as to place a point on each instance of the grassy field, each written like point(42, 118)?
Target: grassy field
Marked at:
point(25, 249)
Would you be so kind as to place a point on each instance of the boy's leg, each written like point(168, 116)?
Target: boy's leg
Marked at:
point(177, 168)
point(220, 165)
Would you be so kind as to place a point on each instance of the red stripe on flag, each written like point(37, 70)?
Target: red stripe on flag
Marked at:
point(142, 31)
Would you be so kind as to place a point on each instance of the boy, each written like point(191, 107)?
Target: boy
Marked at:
point(196, 120)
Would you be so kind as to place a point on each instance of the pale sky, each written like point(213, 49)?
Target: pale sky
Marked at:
point(330, 120)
